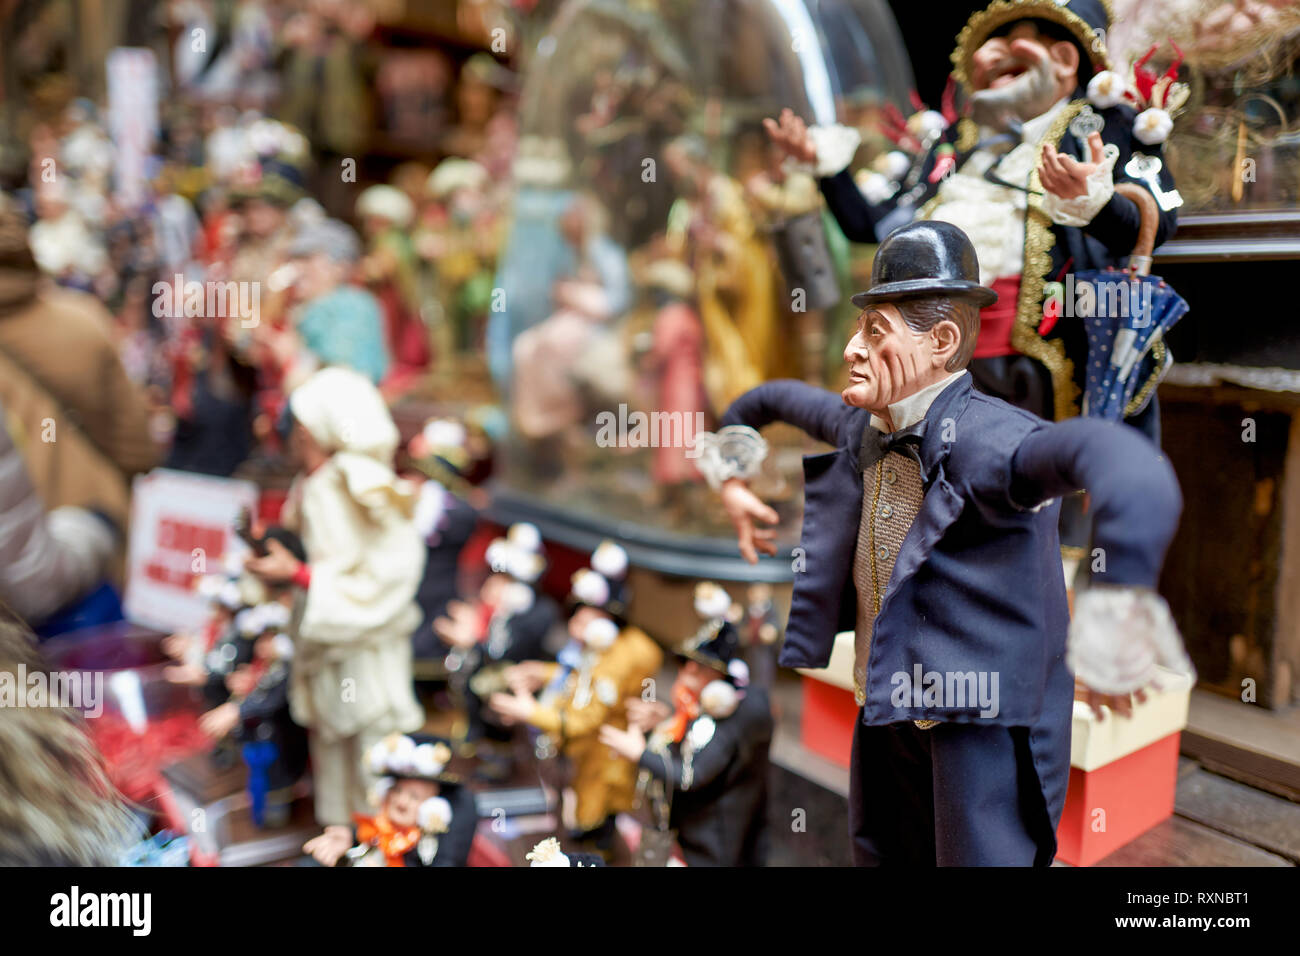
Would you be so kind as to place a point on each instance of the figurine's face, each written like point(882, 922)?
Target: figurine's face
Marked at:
point(305, 450)
point(261, 218)
point(402, 804)
point(1022, 73)
point(317, 274)
point(583, 617)
point(889, 361)
point(695, 676)
point(493, 589)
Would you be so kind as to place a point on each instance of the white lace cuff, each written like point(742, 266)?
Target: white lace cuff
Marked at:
point(736, 451)
point(835, 145)
point(1117, 637)
point(1080, 210)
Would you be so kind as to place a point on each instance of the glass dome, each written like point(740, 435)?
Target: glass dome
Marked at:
point(662, 260)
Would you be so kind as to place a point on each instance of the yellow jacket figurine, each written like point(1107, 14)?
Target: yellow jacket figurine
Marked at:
point(606, 662)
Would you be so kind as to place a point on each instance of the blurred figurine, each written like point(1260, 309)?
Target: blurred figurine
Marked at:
point(459, 234)
point(351, 681)
point(735, 284)
point(708, 757)
point(605, 662)
point(272, 746)
point(760, 634)
point(508, 624)
point(241, 660)
point(337, 323)
point(572, 350)
point(421, 815)
point(677, 362)
point(444, 518)
point(389, 269)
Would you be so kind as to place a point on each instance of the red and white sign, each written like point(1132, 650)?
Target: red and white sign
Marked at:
point(182, 527)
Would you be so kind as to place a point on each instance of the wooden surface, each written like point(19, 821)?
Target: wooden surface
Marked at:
point(1245, 741)
point(1222, 573)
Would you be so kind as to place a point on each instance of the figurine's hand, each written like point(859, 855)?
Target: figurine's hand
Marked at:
point(277, 566)
point(241, 681)
point(459, 628)
point(176, 646)
point(790, 134)
point(327, 848)
point(743, 509)
point(1118, 637)
point(526, 677)
point(629, 744)
point(645, 715)
point(1121, 704)
point(1065, 176)
point(220, 721)
point(191, 675)
point(513, 707)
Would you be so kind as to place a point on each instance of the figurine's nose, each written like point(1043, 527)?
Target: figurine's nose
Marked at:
point(857, 349)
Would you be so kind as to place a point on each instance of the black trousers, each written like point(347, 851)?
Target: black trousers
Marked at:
point(953, 795)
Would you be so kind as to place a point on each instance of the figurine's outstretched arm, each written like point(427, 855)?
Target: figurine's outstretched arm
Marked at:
point(856, 217)
point(820, 413)
point(1134, 492)
point(1121, 628)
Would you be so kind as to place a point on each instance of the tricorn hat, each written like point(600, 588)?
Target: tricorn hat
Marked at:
point(925, 258)
point(1085, 20)
point(412, 757)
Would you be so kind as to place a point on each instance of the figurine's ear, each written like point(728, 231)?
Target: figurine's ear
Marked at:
point(945, 339)
point(1065, 59)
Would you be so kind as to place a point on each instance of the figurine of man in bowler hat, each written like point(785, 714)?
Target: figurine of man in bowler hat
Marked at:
point(931, 532)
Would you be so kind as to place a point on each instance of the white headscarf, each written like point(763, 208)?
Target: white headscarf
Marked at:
point(347, 416)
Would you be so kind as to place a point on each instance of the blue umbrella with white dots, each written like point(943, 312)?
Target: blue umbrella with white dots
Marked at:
point(1131, 314)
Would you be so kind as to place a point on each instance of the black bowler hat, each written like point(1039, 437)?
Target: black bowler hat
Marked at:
point(925, 259)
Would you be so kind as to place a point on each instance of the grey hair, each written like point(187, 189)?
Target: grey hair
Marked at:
point(923, 314)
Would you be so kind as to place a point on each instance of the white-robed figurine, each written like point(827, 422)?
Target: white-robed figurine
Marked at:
point(351, 683)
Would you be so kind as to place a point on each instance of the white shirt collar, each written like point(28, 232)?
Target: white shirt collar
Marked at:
point(908, 411)
point(1032, 130)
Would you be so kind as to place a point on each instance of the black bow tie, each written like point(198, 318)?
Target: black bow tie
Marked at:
point(877, 444)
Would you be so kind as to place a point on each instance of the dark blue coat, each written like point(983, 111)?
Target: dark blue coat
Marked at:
point(977, 585)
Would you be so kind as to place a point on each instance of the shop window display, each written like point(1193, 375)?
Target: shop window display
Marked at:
point(661, 259)
point(1235, 146)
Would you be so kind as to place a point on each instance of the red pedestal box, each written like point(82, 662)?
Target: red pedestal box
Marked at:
point(826, 727)
point(1123, 771)
point(1107, 807)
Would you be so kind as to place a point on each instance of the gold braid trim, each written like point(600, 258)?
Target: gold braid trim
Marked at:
point(1029, 305)
point(1001, 12)
point(1158, 352)
point(968, 134)
point(928, 207)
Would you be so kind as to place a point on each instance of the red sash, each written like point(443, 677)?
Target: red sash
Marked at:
point(996, 320)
